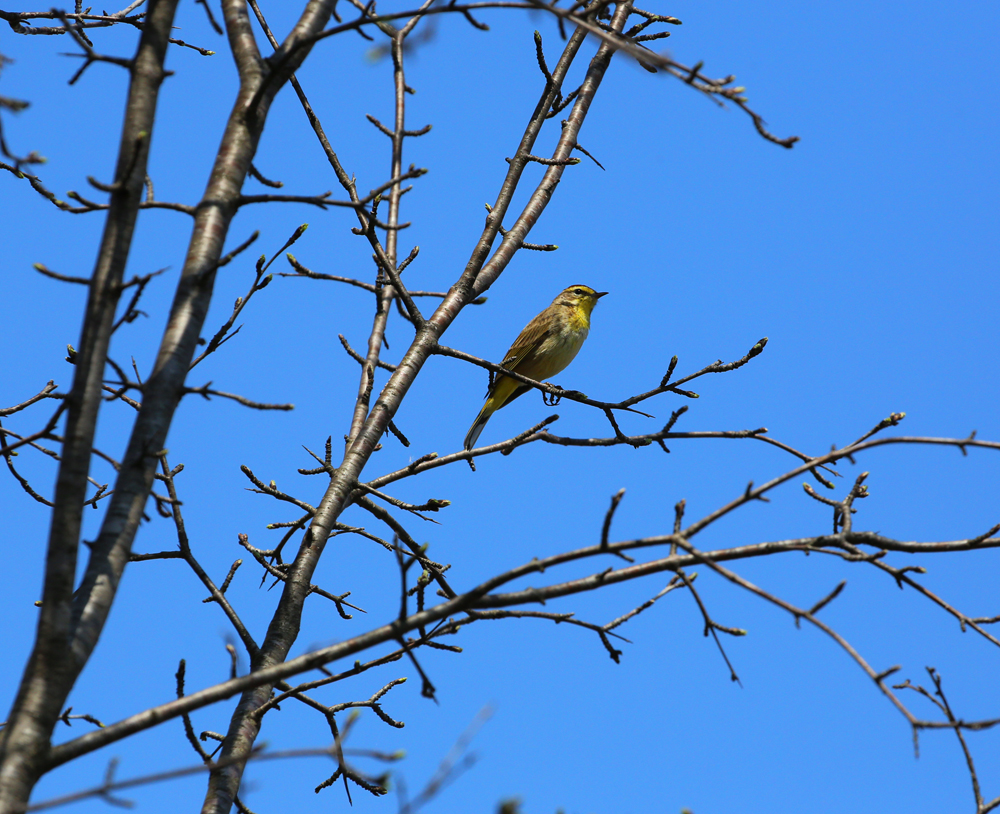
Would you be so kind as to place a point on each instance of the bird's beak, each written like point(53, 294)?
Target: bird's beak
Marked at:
point(599, 294)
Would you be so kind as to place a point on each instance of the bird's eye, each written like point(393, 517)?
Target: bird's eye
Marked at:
point(578, 291)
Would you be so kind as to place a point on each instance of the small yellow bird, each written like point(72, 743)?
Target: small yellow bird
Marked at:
point(545, 347)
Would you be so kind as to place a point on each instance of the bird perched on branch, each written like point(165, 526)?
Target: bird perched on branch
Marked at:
point(545, 347)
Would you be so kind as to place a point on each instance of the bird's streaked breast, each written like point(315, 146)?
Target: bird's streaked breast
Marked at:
point(557, 351)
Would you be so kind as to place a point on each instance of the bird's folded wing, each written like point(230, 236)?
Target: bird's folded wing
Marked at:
point(528, 341)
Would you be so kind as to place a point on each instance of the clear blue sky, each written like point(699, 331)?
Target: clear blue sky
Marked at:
point(868, 254)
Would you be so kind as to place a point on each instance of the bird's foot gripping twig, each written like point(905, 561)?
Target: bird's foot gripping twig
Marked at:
point(552, 399)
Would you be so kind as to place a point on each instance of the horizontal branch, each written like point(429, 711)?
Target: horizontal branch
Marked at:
point(480, 598)
point(550, 389)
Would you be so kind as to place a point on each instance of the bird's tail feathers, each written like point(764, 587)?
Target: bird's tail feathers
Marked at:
point(477, 426)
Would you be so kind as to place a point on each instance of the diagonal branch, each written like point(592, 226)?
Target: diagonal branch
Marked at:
point(55, 662)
